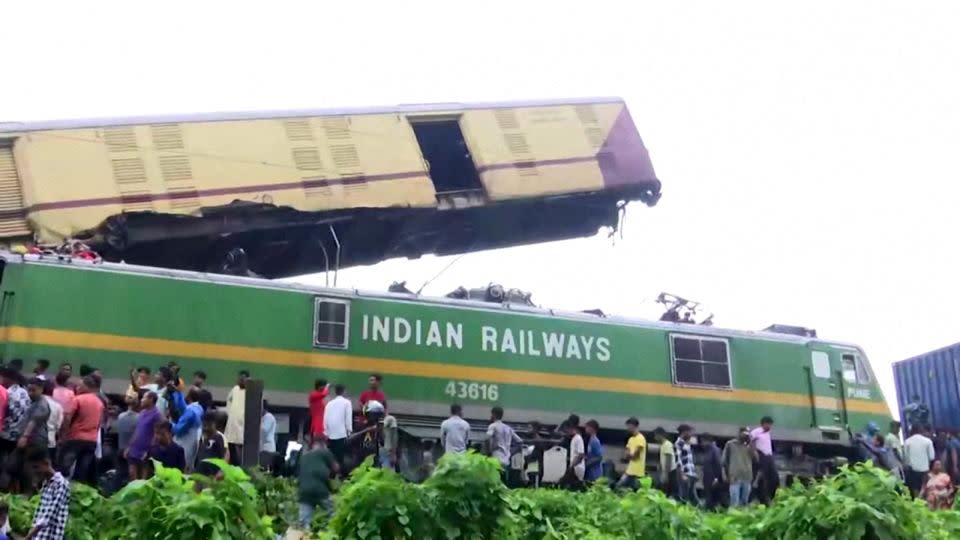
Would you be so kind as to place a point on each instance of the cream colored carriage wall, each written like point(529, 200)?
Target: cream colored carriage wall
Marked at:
point(74, 179)
point(539, 151)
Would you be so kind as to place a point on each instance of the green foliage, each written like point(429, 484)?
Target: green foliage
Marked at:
point(464, 499)
point(861, 502)
point(169, 506)
point(276, 497)
point(21, 511)
point(377, 504)
point(88, 512)
point(173, 506)
point(467, 496)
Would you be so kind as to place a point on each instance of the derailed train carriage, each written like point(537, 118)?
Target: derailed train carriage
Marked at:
point(539, 364)
point(284, 193)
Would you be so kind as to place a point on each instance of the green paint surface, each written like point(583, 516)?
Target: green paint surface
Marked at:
point(138, 304)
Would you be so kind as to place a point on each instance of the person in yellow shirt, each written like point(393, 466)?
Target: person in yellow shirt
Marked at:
point(635, 456)
point(667, 471)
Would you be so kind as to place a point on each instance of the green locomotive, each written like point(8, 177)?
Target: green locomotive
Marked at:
point(536, 363)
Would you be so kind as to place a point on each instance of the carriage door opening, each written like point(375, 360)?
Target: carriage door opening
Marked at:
point(444, 148)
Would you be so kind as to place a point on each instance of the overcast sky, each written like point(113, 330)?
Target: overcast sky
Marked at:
point(808, 153)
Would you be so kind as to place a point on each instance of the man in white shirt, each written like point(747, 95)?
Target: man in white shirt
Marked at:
point(268, 431)
point(236, 409)
point(338, 423)
point(55, 420)
point(918, 453)
point(574, 476)
point(455, 431)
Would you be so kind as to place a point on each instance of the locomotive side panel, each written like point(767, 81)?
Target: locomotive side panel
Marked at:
point(534, 364)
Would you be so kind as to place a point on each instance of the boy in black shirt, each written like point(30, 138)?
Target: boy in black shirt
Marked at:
point(164, 450)
point(212, 446)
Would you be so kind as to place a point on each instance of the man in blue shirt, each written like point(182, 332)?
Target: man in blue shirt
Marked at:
point(594, 459)
point(186, 432)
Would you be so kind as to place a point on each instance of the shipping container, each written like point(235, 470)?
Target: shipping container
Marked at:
point(934, 377)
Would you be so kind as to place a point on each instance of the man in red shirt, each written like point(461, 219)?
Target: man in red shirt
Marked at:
point(374, 393)
point(81, 425)
point(318, 402)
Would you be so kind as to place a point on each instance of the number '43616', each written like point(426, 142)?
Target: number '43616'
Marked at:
point(472, 390)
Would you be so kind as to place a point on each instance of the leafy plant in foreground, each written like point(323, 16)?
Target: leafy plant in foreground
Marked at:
point(467, 495)
point(377, 504)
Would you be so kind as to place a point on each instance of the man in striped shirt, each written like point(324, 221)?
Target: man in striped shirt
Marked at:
point(50, 519)
point(688, 471)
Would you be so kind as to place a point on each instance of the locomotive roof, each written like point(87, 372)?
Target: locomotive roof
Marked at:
point(682, 328)
point(413, 108)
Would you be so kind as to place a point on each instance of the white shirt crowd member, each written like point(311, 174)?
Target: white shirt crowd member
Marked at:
point(338, 418)
point(236, 408)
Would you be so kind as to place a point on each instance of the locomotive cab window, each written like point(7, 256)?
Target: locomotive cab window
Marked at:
point(700, 361)
point(331, 323)
point(853, 369)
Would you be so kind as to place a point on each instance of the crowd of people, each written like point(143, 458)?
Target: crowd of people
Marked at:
point(61, 427)
point(744, 463)
point(57, 427)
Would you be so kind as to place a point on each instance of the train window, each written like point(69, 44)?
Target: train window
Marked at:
point(821, 364)
point(700, 361)
point(863, 376)
point(854, 370)
point(331, 323)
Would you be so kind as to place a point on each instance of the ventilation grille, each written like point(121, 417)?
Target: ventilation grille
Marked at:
point(178, 180)
point(353, 182)
point(516, 143)
point(587, 114)
point(166, 136)
point(120, 139)
point(345, 156)
point(12, 216)
point(506, 118)
point(337, 128)
point(594, 136)
point(137, 201)
point(307, 159)
point(298, 130)
point(343, 151)
point(527, 168)
point(183, 198)
point(131, 179)
point(175, 169)
point(129, 171)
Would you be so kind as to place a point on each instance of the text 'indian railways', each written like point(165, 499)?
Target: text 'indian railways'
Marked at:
point(450, 335)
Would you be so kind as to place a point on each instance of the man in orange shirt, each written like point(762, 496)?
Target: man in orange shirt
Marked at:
point(81, 425)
